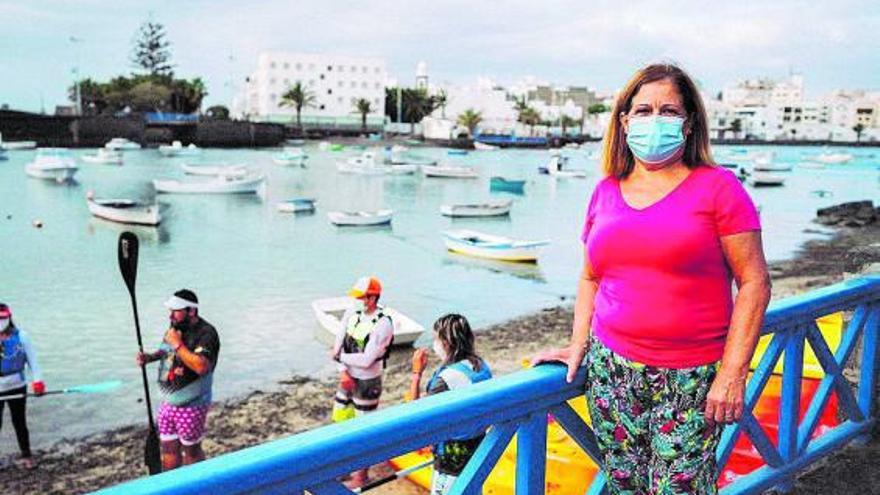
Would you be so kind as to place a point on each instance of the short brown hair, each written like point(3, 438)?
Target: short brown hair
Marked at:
point(618, 160)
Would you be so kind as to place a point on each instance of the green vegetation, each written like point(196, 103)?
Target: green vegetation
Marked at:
point(470, 119)
point(298, 97)
point(217, 112)
point(416, 105)
point(363, 107)
point(154, 89)
point(858, 129)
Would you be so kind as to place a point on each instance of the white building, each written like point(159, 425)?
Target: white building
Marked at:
point(336, 81)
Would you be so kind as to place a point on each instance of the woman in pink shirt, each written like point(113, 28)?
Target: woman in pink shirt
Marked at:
point(667, 345)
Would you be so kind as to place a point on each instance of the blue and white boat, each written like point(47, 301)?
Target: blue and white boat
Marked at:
point(496, 247)
point(291, 156)
point(297, 205)
point(500, 184)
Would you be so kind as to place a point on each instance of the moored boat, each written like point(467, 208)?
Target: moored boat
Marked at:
point(484, 147)
point(223, 184)
point(761, 179)
point(556, 167)
point(330, 311)
point(56, 164)
point(832, 158)
point(297, 205)
point(291, 156)
point(768, 166)
point(360, 218)
point(122, 144)
point(506, 185)
point(124, 210)
point(178, 149)
point(449, 172)
point(487, 209)
point(214, 170)
point(104, 156)
point(494, 247)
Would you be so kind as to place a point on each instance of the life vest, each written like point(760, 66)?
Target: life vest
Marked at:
point(458, 375)
point(359, 329)
point(13, 356)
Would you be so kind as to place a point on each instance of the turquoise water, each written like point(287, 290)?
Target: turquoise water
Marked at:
point(256, 271)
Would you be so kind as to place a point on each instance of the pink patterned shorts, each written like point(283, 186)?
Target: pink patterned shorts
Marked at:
point(184, 423)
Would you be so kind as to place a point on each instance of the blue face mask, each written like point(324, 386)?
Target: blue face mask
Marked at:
point(655, 139)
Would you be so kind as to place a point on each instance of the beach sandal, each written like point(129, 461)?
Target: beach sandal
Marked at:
point(27, 463)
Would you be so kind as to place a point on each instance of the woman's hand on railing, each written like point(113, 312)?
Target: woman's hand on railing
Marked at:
point(570, 356)
point(724, 403)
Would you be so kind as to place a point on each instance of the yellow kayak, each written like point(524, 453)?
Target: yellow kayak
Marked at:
point(570, 471)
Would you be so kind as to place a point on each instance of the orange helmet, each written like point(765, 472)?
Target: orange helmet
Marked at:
point(366, 286)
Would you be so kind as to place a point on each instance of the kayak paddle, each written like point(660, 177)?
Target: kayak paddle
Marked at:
point(127, 254)
point(93, 388)
point(393, 476)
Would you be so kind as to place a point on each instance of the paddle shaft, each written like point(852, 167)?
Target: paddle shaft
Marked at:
point(392, 477)
point(137, 327)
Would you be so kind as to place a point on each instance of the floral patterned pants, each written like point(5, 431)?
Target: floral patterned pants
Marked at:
point(649, 425)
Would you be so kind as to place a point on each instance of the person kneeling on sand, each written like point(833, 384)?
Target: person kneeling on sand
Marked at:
point(362, 349)
point(461, 366)
point(188, 357)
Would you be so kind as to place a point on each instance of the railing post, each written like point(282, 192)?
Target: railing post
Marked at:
point(869, 368)
point(531, 455)
point(789, 406)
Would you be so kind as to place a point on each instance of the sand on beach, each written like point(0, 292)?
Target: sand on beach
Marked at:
point(302, 403)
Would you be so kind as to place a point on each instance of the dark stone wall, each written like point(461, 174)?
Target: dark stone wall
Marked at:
point(226, 133)
point(67, 131)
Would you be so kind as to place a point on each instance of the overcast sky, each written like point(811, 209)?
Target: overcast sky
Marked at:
point(834, 44)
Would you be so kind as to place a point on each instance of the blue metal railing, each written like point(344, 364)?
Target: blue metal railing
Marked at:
point(519, 403)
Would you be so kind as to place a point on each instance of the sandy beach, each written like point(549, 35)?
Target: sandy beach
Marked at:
point(302, 403)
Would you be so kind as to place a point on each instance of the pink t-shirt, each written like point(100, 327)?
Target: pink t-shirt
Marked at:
point(664, 295)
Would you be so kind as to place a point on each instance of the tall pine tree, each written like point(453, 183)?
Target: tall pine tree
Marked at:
point(151, 50)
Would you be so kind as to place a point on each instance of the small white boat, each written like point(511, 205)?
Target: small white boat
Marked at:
point(56, 164)
point(449, 172)
point(401, 169)
point(760, 179)
point(487, 209)
point(296, 205)
point(768, 166)
point(360, 218)
point(329, 313)
point(104, 156)
point(16, 145)
point(481, 245)
point(556, 168)
point(484, 147)
point(122, 144)
point(399, 148)
point(833, 158)
point(124, 210)
point(214, 170)
point(291, 156)
point(363, 164)
point(178, 149)
point(222, 184)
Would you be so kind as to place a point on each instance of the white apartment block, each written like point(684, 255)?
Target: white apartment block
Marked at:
point(771, 110)
point(336, 81)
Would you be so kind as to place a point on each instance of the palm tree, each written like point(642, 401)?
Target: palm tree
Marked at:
point(736, 127)
point(567, 122)
point(440, 100)
point(362, 106)
point(470, 118)
point(417, 105)
point(858, 129)
point(298, 97)
point(531, 118)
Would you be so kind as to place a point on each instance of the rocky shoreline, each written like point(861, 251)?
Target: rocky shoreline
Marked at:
point(303, 403)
